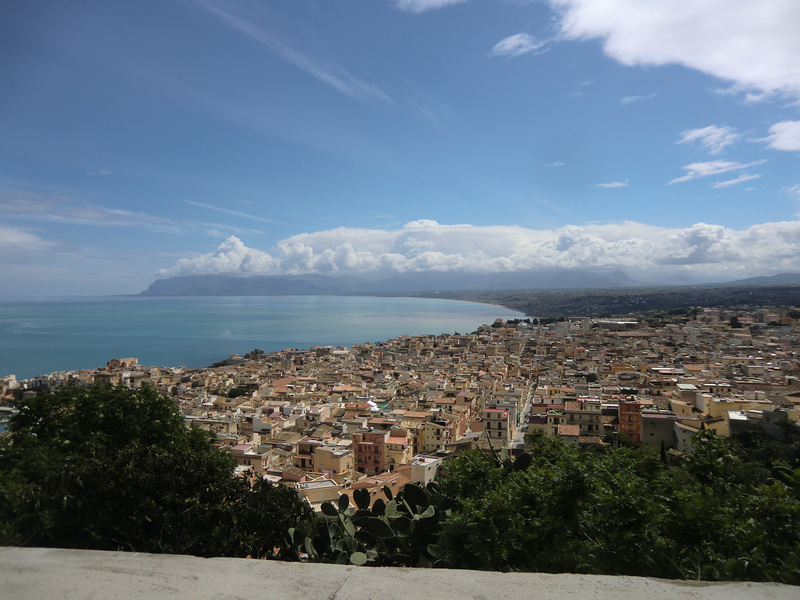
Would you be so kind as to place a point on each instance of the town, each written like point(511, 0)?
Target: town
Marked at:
point(331, 420)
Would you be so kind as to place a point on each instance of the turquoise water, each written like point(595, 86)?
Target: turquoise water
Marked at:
point(44, 335)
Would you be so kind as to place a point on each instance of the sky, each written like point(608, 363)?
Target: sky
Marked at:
point(142, 139)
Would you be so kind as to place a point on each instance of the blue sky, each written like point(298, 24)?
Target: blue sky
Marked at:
point(153, 138)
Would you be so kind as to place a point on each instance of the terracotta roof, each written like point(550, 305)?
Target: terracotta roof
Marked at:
point(570, 430)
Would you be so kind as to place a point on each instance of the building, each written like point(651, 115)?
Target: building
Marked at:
point(369, 451)
point(630, 420)
point(497, 425)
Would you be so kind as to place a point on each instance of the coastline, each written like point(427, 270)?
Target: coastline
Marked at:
point(45, 335)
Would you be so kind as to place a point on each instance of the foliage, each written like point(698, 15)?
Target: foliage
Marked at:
point(624, 511)
point(397, 532)
point(113, 468)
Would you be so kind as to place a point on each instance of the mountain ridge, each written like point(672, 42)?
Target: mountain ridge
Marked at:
point(429, 281)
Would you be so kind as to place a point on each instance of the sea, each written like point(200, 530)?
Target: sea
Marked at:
point(43, 335)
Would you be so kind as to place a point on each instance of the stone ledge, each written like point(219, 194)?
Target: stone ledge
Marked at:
point(79, 574)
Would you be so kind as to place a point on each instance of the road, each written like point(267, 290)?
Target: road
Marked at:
point(517, 443)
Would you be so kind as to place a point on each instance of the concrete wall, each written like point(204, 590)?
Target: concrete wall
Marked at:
point(78, 574)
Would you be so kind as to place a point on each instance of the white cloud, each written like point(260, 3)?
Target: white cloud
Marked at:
point(518, 44)
point(59, 209)
point(612, 185)
point(713, 137)
point(555, 165)
point(784, 136)
point(730, 182)
point(329, 73)
point(752, 44)
point(713, 167)
point(631, 99)
point(15, 238)
point(429, 246)
point(231, 256)
point(236, 213)
point(420, 6)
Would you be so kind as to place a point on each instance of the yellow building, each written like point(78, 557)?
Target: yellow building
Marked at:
point(335, 462)
point(399, 451)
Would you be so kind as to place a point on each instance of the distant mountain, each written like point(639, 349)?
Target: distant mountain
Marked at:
point(258, 285)
point(779, 279)
point(517, 280)
point(284, 285)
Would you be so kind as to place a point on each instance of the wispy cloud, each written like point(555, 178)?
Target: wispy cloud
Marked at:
point(631, 99)
point(329, 73)
point(713, 137)
point(612, 185)
point(236, 213)
point(420, 6)
point(60, 209)
point(784, 136)
point(517, 45)
point(18, 239)
point(795, 191)
point(219, 230)
point(555, 165)
point(730, 182)
point(225, 231)
point(22, 204)
point(713, 167)
point(100, 172)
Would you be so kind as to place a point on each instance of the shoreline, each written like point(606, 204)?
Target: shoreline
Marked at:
point(48, 335)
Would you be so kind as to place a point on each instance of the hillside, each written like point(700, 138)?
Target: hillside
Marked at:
point(402, 284)
point(593, 303)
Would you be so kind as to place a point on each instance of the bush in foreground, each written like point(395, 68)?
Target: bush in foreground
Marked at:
point(110, 468)
point(715, 514)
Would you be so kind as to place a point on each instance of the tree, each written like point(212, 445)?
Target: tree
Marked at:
point(624, 511)
point(112, 468)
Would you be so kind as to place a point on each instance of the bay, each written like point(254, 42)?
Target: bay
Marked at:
point(42, 335)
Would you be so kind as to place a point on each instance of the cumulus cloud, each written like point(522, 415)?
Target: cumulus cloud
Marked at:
point(420, 6)
point(518, 44)
point(753, 45)
point(713, 137)
point(429, 246)
point(784, 136)
point(231, 256)
point(713, 167)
